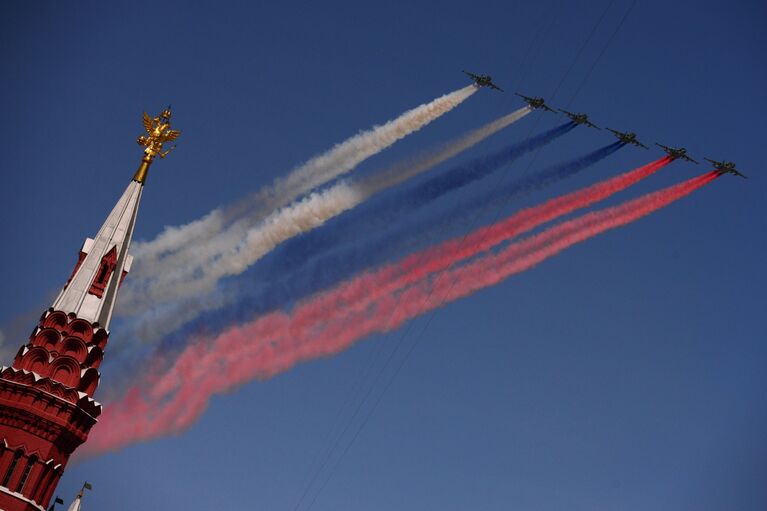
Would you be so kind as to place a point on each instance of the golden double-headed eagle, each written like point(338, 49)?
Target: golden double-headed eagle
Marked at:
point(158, 132)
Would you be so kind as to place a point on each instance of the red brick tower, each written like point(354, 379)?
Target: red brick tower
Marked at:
point(46, 396)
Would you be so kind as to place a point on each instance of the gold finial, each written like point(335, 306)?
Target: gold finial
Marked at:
point(158, 132)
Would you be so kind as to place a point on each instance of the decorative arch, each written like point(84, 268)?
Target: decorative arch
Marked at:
point(49, 386)
point(89, 381)
point(95, 356)
point(36, 360)
point(66, 371)
point(47, 338)
point(74, 347)
point(56, 319)
point(18, 375)
point(57, 389)
point(100, 338)
point(80, 328)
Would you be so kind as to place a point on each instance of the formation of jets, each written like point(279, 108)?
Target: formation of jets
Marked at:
point(722, 167)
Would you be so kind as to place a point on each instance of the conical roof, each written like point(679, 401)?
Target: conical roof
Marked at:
point(91, 291)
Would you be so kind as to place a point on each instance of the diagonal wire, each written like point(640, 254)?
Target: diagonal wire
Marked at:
point(428, 297)
point(599, 57)
point(526, 62)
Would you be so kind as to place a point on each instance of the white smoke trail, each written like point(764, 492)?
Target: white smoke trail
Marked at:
point(405, 170)
point(347, 155)
point(184, 245)
point(171, 238)
point(339, 160)
point(193, 284)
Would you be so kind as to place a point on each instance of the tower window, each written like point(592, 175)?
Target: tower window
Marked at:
point(40, 485)
point(103, 273)
point(25, 475)
point(11, 468)
point(108, 263)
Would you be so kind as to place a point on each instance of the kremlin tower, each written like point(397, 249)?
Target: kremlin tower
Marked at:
point(46, 396)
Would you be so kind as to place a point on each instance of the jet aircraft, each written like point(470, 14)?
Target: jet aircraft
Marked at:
point(725, 167)
point(483, 81)
point(676, 153)
point(627, 138)
point(580, 119)
point(535, 102)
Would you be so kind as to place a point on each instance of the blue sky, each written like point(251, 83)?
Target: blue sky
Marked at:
point(625, 373)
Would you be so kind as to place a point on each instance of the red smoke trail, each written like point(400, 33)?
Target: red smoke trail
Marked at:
point(282, 340)
point(392, 310)
point(355, 295)
point(483, 239)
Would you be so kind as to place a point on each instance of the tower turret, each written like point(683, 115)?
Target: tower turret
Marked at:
point(46, 396)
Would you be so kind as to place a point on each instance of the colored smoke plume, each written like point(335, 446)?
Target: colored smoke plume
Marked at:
point(192, 243)
point(346, 258)
point(395, 207)
point(289, 279)
point(332, 321)
point(192, 285)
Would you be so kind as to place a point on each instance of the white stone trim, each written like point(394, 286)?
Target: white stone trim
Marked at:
point(21, 497)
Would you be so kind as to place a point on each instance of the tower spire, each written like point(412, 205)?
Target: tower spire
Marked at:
point(76, 504)
point(46, 397)
point(104, 261)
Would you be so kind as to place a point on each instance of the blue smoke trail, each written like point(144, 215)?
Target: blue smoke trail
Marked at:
point(387, 210)
point(480, 167)
point(499, 197)
point(269, 294)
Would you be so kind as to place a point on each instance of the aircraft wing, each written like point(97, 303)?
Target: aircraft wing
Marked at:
point(494, 86)
point(714, 162)
point(614, 131)
point(640, 144)
point(690, 159)
point(546, 107)
point(526, 98)
point(592, 125)
point(473, 76)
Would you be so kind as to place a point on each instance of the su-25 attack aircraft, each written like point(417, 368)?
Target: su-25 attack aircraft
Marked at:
point(680, 153)
point(627, 138)
point(725, 167)
point(483, 81)
point(535, 102)
point(580, 119)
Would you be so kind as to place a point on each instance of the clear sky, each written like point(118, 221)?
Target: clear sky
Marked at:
point(626, 373)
